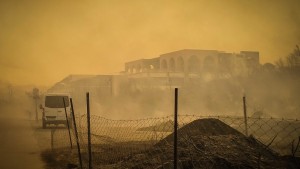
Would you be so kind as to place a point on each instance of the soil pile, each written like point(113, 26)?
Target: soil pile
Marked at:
point(204, 127)
point(209, 143)
point(202, 144)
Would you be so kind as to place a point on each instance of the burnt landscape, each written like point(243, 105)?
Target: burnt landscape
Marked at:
point(169, 84)
point(203, 143)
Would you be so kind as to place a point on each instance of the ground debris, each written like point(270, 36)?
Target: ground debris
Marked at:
point(203, 143)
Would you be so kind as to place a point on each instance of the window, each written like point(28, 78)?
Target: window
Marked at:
point(56, 101)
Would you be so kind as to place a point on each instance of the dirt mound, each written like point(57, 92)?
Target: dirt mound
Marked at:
point(209, 126)
point(203, 127)
point(208, 143)
point(203, 143)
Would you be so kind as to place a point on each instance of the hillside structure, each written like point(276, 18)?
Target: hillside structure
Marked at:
point(174, 69)
point(183, 66)
point(197, 62)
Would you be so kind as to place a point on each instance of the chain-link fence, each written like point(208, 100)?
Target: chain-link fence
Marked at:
point(202, 141)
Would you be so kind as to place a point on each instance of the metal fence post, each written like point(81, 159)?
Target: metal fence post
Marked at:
point(89, 128)
point(175, 128)
point(245, 115)
point(52, 141)
point(76, 133)
point(67, 122)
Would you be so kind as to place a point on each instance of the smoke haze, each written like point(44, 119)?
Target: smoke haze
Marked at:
point(43, 41)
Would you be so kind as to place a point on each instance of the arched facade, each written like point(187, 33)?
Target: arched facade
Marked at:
point(189, 62)
point(179, 64)
point(172, 64)
point(143, 65)
point(164, 65)
point(209, 64)
point(193, 64)
point(193, 61)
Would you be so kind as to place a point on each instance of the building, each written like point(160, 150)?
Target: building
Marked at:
point(183, 66)
point(174, 69)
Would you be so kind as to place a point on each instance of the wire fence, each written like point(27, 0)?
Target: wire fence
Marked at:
point(202, 140)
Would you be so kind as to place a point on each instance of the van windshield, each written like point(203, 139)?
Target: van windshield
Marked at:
point(56, 101)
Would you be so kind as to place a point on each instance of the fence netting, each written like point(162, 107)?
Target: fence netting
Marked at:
point(202, 141)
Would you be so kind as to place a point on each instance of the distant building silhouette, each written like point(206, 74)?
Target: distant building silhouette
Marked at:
point(179, 67)
point(197, 62)
point(174, 69)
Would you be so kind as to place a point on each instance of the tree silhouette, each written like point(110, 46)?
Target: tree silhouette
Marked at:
point(290, 62)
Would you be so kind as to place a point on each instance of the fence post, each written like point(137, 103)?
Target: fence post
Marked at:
point(245, 115)
point(89, 128)
point(67, 122)
point(76, 133)
point(175, 128)
point(52, 142)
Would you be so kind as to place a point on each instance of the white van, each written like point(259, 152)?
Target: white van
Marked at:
point(54, 110)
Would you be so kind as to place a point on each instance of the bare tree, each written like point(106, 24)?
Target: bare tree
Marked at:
point(292, 61)
point(280, 63)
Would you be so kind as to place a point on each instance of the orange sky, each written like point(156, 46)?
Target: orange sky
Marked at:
point(41, 42)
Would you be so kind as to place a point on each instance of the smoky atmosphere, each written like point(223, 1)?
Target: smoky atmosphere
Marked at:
point(149, 84)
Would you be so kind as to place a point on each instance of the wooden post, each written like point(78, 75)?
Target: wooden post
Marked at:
point(175, 128)
point(245, 115)
point(89, 128)
point(52, 141)
point(67, 123)
point(76, 133)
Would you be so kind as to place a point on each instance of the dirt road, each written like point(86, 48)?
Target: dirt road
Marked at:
point(18, 146)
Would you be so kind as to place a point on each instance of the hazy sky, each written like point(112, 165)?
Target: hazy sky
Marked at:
point(43, 41)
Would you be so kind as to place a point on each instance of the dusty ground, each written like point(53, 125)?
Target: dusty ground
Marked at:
point(18, 146)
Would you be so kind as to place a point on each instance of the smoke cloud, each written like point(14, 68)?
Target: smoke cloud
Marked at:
point(43, 41)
